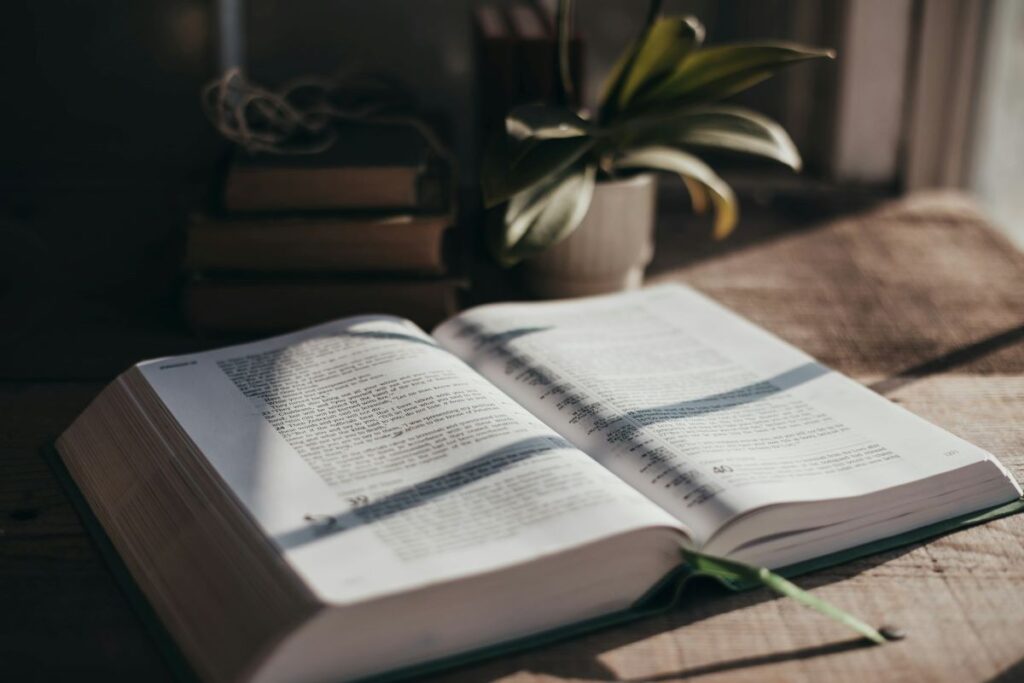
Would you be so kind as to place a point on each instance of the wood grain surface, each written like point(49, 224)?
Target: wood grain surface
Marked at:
point(920, 299)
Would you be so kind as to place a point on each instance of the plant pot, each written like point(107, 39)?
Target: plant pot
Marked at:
point(609, 250)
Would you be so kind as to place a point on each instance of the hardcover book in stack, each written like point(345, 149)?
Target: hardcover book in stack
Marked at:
point(299, 239)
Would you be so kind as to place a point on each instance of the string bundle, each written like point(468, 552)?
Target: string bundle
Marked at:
point(301, 117)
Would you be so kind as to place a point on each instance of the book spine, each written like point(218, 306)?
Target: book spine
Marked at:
point(300, 245)
point(300, 189)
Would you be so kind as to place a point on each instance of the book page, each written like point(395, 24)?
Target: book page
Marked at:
point(377, 461)
point(705, 413)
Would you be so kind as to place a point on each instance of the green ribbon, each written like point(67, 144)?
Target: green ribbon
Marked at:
point(738, 575)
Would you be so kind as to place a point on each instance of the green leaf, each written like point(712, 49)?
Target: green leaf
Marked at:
point(663, 47)
point(523, 207)
point(677, 161)
point(717, 72)
point(545, 122)
point(737, 574)
point(511, 166)
point(545, 214)
point(616, 78)
point(721, 127)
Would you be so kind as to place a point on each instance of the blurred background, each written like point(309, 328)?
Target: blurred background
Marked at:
point(107, 151)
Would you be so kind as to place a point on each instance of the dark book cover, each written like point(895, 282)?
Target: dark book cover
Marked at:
point(369, 166)
point(350, 243)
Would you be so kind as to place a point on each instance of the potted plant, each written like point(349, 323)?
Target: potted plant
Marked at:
point(581, 189)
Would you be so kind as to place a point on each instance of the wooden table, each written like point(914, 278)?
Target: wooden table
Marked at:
point(919, 299)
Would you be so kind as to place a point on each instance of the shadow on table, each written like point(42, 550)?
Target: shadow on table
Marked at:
point(947, 361)
point(683, 238)
point(1012, 674)
point(703, 599)
point(758, 660)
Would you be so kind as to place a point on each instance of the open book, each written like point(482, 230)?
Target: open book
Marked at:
point(361, 496)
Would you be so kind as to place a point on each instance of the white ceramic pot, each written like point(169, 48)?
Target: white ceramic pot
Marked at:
point(609, 250)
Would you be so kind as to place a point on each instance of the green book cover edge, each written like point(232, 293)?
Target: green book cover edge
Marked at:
point(662, 597)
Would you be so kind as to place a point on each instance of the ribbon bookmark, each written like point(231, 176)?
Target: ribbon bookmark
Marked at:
point(736, 574)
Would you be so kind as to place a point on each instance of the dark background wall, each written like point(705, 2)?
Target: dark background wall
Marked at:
point(104, 142)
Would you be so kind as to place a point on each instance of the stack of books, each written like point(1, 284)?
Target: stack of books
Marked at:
point(298, 239)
